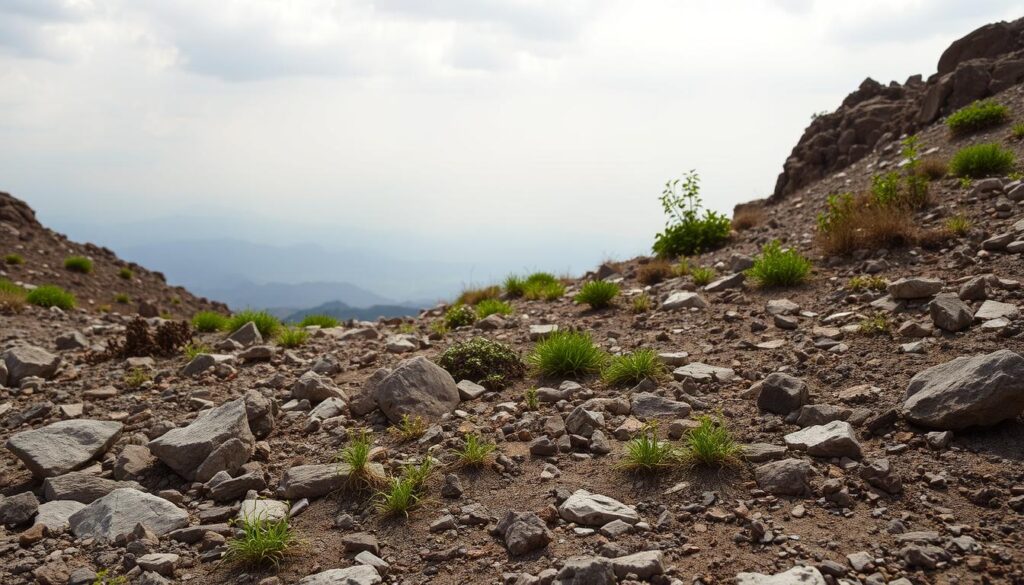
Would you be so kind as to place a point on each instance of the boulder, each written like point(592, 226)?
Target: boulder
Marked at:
point(967, 391)
point(835, 439)
point(24, 361)
point(63, 446)
point(115, 515)
point(794, 576)
point(788, 477)
point(782, 393)
point(523, 532)
point(18, 509)
point(357, 575)
point(81, 487)
point(316, 388)
point(915, 288)
point(949, 313)
point(219, 439)
point(588, 509)
point(416, 387)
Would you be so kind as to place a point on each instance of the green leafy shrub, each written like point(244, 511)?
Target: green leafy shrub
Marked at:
point(566, 353)
point(710, 444)
point(702, 275)
point(632, 368)
point(977, 116)
point(488, 307)
point(778, 267)
point(291, 337)
point(266, 323)
point(209, 321)
point(473, 296)
point(50, 295)
point(475, 451)
point(646, 454)
point(982, 160)
point(687, 231)
point(79, 264)
point(459, 316)
point(322, 321)
point(262, 542)
point(597, 293)
point(125, 273)
point(14, 259)
point(482, 360)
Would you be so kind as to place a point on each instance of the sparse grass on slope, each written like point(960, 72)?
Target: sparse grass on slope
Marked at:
point(266, 323)
point(776, 267)
point(632, 368)
point(261, 543)
point(488, 307)
point(292, 337)
point(475, 451)
point(710, 444)
point(473, 296)
point(567, 354)
point(79, 264)
point(322, 321)
point(12, 297)
point(14, 259)
point(979, 115)
point(646, 454)
point(209, 321)
point(982, 160)
point(50, 295)
point(597, 293)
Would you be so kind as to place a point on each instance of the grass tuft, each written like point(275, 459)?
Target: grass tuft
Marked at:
point(357, 456)
point(646, 454)
point(12, 297)
point(398, 498)
point(877, 324)
point(79, 264)
point(475, 451)
point(747, 217)
point(292, 337)
point(209, 321)
point(531, 399)
point(14, 259)
point(977, 116)
point(410, 429)
point(632, 368)
point(125, 273)
point(710, 444)
point(50, 295)
point(566, 353)
point(542, 286)
point(702, 275)
point(776, 267)
point(473, 296)
point(488, 307)
point(655, 271)
point(641, 303)
point(958, 225)
point(597, 293)
point(322, 321)
point(863, 283)
point(982, 160)
point(265, 322)
point(261, 543)
point(122, 298)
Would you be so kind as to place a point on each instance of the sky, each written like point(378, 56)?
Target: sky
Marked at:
point(489, 132)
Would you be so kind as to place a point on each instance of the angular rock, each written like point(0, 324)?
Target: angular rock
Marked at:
point(586, 571)
point(967, 391)
point(316, 388)
point(186, 449)
point(782, 393)
point(312, 481)
point(648, 405)
point(523, 532)
point(949, 313)
point(357, 575)
point(54, 515)
point(835, 439)
point(727, 282)
point(247, 335)
point(789, 477)
point(18, 509)
point(996, 310)
point(703, 373)
point(81, 487)
point(684, 300)
point(588, 509)
point(914, 288)
point(115, 515)
point(583, 422)
point(26, 361)
point(645, 564)
point(262, 510)
point(794, 576)
point(880, 474)
point(416, 387)
point(63, 446)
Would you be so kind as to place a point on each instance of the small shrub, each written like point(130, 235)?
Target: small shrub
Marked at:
point(122, 299)
point(778, 267)
point(209, 321)
point(530, 399)
point(655, 271)
point(473, 296)
point(79, 264)
point(1017, 131)
point(266, 323)
point(687, 231)
point(489, 307)
point(747, 217)
point(514, 285)
point(322, 321)
point(982, 160)
point(167, 339)
point(14, 259)
point(958, 225)
point(475, 452)
point(646, 454)
point(357, 456)
point(597, 293)
point(125, 273)
point(50, 295)
point(291, 337)
point(262, 542)
point(641, 303)
point(439, 328)
point(103, 577)
point(410, 428)
point(459, 316)
point(875, 324)
point(399, 497)
point(193, 349)
point(977, 116)
point(137, 377)
point(632, 368)
point(852, 223)
point(12, 297)
point(863, 283)
point(566, 354)
point(480, 359)
point(710, 444)
point(702, 275)
point(933, 169)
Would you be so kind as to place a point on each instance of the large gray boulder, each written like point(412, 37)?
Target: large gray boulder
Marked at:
point(967, 391)
point(115, 515)
point(219, 440)
point(63, 446)
point(794, 576)
point(28, 360)
point(417, 387)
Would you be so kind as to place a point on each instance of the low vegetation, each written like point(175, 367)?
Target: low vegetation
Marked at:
point(566, 354)
point(12, 297)
point(645, 453)
point(747, 217)
point(356, 455)
point(933, 169)
point(483, 361)
point(876, 324)
point(474, 296)
point(79, 264)
point(321, 321)
point(488, 307)
point(982, 160)
point(641, 303)
point(632, 368)
point(459, 316)
point(292, 337)
point(260, 542)
point(475, 452)
point(137, 377)
point(193, 349)
point(122, 299)
point(266, 323)
point(655, 271)
point(125, 273)
point(531, 399)
point(50, 295)
point(702, 275)
point(865, 283)
point(958, 225)
point(209, 321)
point(597, 293)
point(688, 231)
point(14, 260)
point(537, 286)
point(776, 267)
point(980, 115)
point(409, 429)
point(710, 444)
point(167, 339)
point(1017, 131)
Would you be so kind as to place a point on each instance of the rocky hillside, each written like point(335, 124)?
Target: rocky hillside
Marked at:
point(875, 411)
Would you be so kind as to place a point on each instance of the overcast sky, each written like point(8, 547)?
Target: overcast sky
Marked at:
point(457, 119)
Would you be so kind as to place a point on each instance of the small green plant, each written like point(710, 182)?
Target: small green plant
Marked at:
point(14, 259)
point(419, 474)
point(566, 353)
point(702, 275)
point(125, 273)
point(531, 399)
point(122, 299)
point(103, 577)
point(641, 303)
point(933, 169)
point(292, 337)
point(488, 307)
point(777, 267)
point(514, 285)
point(982, 160)
point(876, 324)
point(193, 349)
point(541, 286)
point(977, 116)
point(459, 316)
point(632, 368)
point(137, 377)
point(356, 455)
point(439, 328)
point(209, 321)
point(79, 264)
point(863, 283)
point(407, 328)
point(399, 497)
point(710, 444)
point(682, 268)
point(322, 321)
point(597, 293)
point(473, 296)
point(266, 323)
point(262, 542)
point(475, 451)
point(410, 428)
point(958, 225)
point(1017, 131)
point(646, 454)
point(12, 297)
point(687, 231)
point(50, 295)
point(483, 361)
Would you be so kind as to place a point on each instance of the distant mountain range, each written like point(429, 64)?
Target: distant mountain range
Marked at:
point(340, 310)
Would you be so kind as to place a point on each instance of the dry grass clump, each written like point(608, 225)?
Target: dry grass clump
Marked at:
point(472, 296)
point(855, 222)
point(747, 217)
point(655, 271)
point(933, 168)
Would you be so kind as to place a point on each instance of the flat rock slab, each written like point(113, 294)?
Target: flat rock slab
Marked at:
point(358, 575)
point(644, 564)
point(915, 288)
point(262, 510)
point(312, 481)
point(684, 300)
point(24, 361)
point(185, 449)
point(63, 446)
point(650, 405)
point(835, 439)
point(54, 515)
point(967, 391)
point(82, 487)
point(116, 514)
point(996, 310)
point(703, 373)
point(794, 576)
point(588, 509)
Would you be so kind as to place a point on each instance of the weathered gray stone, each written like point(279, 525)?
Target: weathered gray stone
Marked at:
point(996, 310)
point(18, 509)
point(949, 313)
point(316, 388)
point(648, 405)
point(586, 571)
point(416, 387)
point(967, 391)
point(782, 393)
point(54, 515)
point(645, 564)
point(880, 474)
point(63, 446)
point(794, 576)
point(116, 514)
point(247, 335)
point(82, 487)
point(186, 449)
point(789, 477)
point(523, 532)
point(588, 509)
point(24, 361)
point(312, 481)
point(915, 288)
point(262, 510)
point(835, 439)
point(357, 575)
point(700, 372)
point(684, 300)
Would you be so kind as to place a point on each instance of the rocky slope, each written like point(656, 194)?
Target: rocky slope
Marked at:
point(891, 458)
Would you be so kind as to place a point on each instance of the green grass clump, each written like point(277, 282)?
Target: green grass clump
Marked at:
point(875, 325)
point(646, 454)
point(322, 321)
point(489, 307)
point(1017, 131)
point(14, 259)
point(982, 160)
point(266, 323)
point(542, 286)
point(641, 303)
point(356, 454)
point(710, 444)
point(958, 225)
point(125, 273)
point(137, 377)
point(473, 296)
point(459, 316)
point(209, 321)
point(531, 399)
point(863, 283)
point(778, 267)
point(400, 496)
point(50, 295)
point(79, 264)
point(597, 293)
point(409, 429)
point(193, 349)
point(476, 451)
point(688, 232)
point(632, 368)
point(566, 353)
point(977, 116)
point(262, 542)
point(122, 298)
point(483, 361)
point(292, 337)
point(514, 285)
point(103, 577)
point(702, 275)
